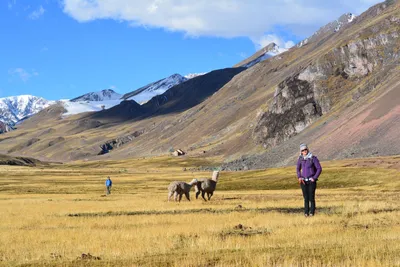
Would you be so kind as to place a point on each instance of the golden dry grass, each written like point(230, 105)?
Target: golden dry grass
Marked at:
point(51, 215)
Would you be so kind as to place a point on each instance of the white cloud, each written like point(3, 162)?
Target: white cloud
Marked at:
point(272, 38)
point(22, 73)
point(37, 13)
point(44, 49)
point(222, 18)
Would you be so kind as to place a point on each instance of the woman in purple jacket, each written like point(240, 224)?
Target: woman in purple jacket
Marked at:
point(308, 171)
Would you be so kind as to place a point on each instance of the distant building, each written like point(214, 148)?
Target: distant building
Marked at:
point(178, 152)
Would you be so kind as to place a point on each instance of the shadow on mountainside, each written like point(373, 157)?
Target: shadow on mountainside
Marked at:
point(177, 99)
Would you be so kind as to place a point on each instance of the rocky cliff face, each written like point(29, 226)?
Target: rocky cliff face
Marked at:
point(294, 108)
point(351, 69)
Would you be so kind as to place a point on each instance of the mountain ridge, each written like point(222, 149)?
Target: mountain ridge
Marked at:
point(103, 95)
point(145, 93)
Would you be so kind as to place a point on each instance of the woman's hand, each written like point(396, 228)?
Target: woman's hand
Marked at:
point(312, 180)
point(301, 181)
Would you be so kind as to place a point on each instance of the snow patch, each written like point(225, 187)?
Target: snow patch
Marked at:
point(87, 106)
point(145, 93)
point(351, 18)
point(194, 75)
point(15, 108)
point(103, 95)
point(270, 50)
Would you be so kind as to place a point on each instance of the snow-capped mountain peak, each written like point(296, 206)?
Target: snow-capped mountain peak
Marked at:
point(103, 95)
point(145, 93)
point(15, 108)
point(268, 51)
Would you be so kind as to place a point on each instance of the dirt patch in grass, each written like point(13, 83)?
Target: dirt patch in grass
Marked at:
point(245, 231)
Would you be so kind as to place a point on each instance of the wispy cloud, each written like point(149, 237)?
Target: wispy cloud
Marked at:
point(44, 49)
point(11, 4)
point(23, 74)
point(37, 13)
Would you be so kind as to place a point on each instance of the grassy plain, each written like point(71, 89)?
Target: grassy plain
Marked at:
point(51, 215)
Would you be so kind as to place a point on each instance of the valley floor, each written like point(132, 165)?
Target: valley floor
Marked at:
point(52, 215)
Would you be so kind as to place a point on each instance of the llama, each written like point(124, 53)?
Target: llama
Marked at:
point(207, 186)
point(177, 189)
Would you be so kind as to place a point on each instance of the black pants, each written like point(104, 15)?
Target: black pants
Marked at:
point(309, 196)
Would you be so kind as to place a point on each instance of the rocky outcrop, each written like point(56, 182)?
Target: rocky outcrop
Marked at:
point(118, 142)
point(293, 109)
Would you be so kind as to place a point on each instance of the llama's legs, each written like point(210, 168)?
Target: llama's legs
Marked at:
point(180, 197)
point(176, 196)
point(210, 195)
point(203, 193)
point(187, 196)
point(170, 195)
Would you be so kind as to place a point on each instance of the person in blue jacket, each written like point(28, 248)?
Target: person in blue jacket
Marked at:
point(108, 185)
point(308, 171)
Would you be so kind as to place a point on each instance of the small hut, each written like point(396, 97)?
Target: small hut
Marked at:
point(178, 152)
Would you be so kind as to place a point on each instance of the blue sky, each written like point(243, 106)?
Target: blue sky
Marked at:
point(60, 49)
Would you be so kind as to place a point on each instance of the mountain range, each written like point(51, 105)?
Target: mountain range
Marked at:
point(338, 91)
point(16, 108)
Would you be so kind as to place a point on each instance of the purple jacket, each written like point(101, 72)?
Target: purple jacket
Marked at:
point(308, 168)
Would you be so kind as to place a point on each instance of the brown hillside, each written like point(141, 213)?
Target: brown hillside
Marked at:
point(338, 93)
point(19, 161)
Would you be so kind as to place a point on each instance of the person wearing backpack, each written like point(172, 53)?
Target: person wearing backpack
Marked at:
point(108, 185)
point(308, 171)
